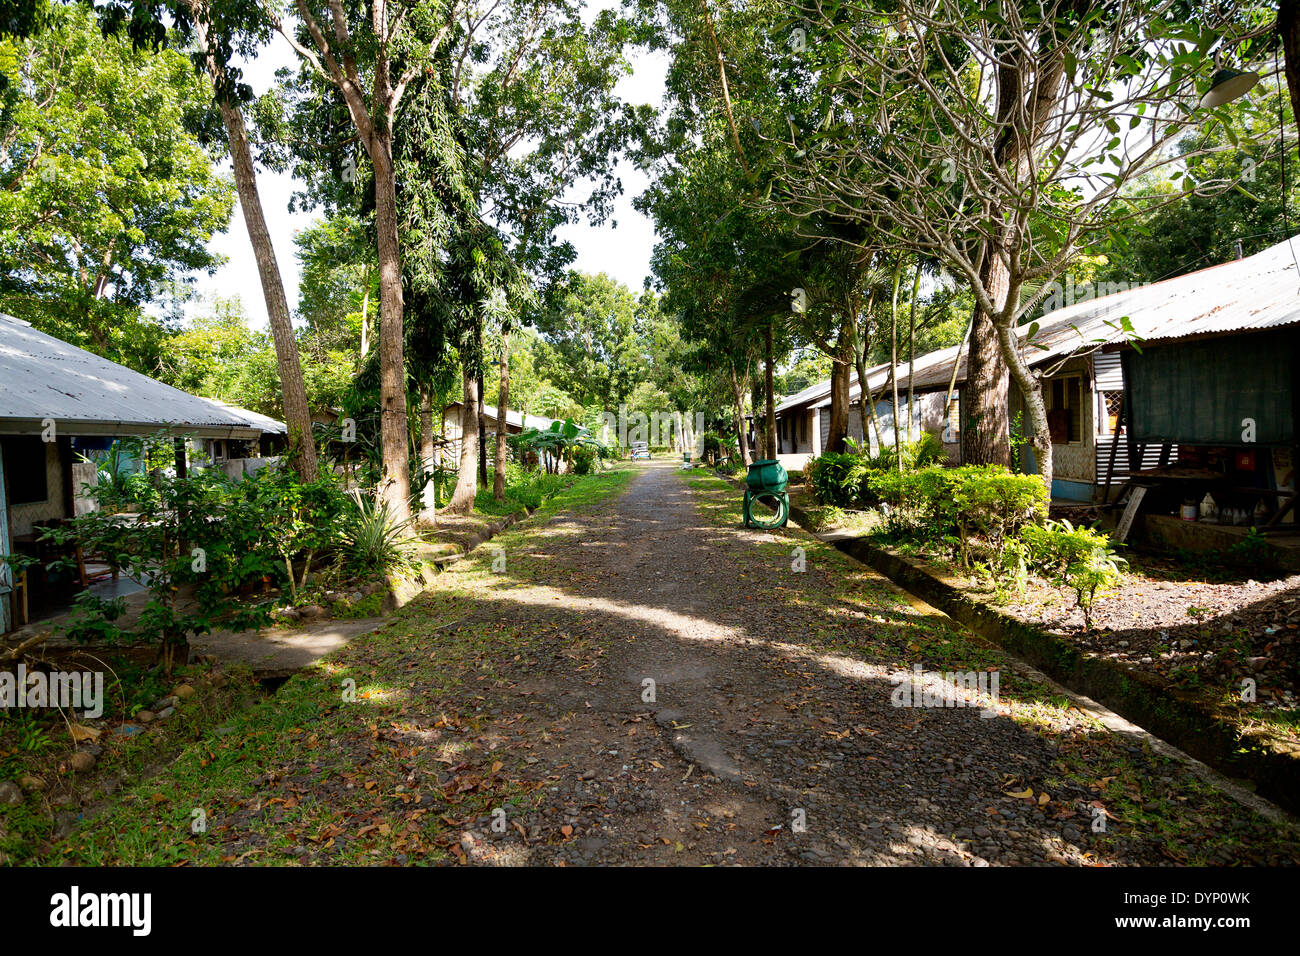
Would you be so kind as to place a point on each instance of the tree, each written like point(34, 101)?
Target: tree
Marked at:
point(1205, 229)
point(591, 344)
point(336, 284)
point(107, 197)
point(997, 137)
point(213, 36)
point(393, 48)
point(515, 108)
point(541, 117)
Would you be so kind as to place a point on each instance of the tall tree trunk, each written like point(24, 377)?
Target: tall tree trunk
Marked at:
point(482, 436)
point(395, 486)
point(769, 389)
point(1031, 389)
point(893, 362)
point(860, 347)
point(760, 420)
point(297, 416)
point(837, 428)
point(742, 436)
point(462, 498)
point(365, 315)
point(503, 398)
point(841, 371)
point(985, 437)
point(911, 350)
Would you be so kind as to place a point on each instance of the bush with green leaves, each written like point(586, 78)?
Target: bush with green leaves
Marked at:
point(716, 446)
point(836, 479)
point(584, 457)
point(917, 503)
point(991, 504)
point(294, 519)
point(925, 451)
point(372, 539)
point(199, 533)
point(983, 504)
point(1083, 559)
point(845, 479)
point(557, 443)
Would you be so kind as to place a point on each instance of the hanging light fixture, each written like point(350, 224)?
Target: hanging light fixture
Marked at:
point(1227, 85)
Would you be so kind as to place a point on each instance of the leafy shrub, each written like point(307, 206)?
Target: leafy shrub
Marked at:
point(925, 451)
point(1254, 552)
point(583, 458)
point(917, 503)
point(828, 516)
point(557, 443)
point(372, 539)
point(524, 489)
point(1082, 559)
point(716, 446)
point(836, 479)
point(992, 504)
point(985, 503)
point(203, 532)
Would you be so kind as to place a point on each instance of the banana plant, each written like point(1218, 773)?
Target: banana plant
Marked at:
point(557, 443)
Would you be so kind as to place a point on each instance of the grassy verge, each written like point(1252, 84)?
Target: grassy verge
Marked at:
point(35, 748)
point(372, 756)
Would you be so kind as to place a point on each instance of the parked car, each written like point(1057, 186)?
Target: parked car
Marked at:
point(640, 451)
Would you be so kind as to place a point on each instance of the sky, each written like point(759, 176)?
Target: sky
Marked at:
point(620, 247)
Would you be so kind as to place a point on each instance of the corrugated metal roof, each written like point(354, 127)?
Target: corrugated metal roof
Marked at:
point(1258, 292)
point(513, 417)
point(263, 423)
point(809, 394)
point(42, 377)
point(1246, 295)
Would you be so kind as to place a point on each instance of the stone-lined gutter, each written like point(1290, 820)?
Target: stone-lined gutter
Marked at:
point(432, 556)
point(1192, 724)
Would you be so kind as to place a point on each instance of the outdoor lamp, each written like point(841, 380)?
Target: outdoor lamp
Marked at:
point(1226, 85)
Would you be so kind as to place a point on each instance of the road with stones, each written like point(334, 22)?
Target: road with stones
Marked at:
point(769, 736)
point(630, 677)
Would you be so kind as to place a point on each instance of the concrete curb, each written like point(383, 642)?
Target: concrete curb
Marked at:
point(402, 589)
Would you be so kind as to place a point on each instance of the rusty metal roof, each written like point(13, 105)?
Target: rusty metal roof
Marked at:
point(1246, 295)
point(43, 378)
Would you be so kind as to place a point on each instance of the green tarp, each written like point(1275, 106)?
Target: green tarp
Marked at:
point(1211, 391)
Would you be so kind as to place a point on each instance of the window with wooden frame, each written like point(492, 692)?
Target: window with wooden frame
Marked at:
point(1063, 396)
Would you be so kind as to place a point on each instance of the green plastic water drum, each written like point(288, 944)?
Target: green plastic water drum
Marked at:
point(767, 476)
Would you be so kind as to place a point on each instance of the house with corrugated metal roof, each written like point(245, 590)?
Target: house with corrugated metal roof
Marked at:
point(1115, 400)
point(516, 422)
point(59, 402)
point(1135, 378)
point(803, 419)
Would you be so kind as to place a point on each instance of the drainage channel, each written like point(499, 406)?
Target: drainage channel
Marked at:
point(1103, 714)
